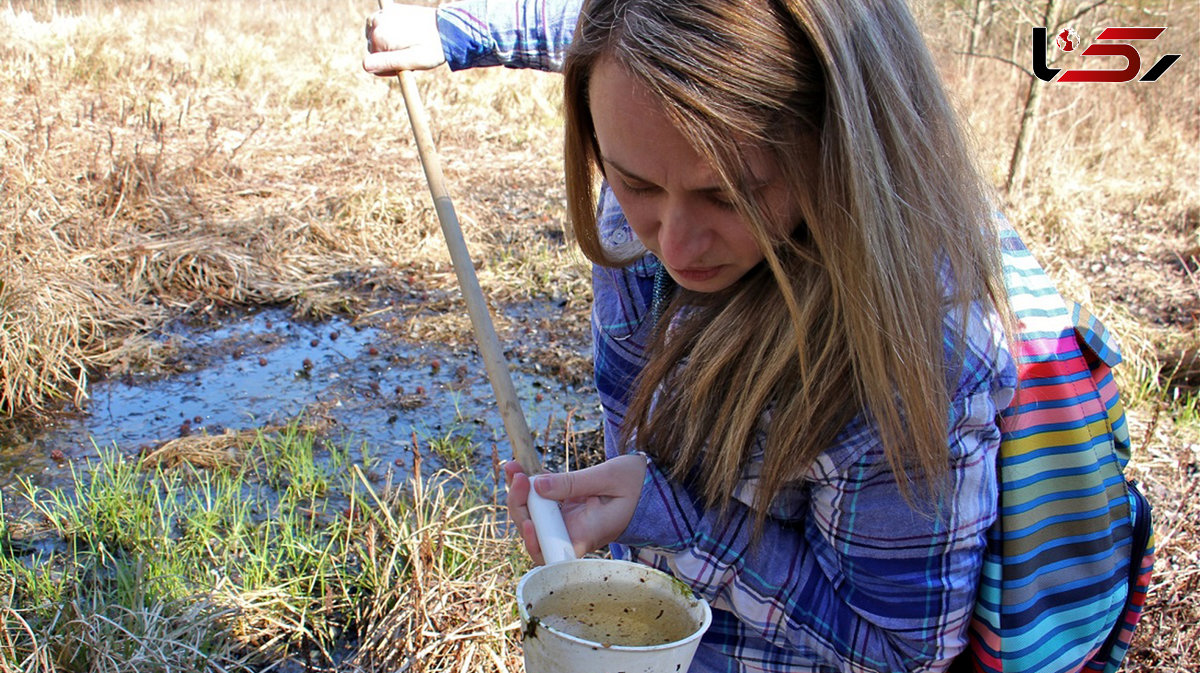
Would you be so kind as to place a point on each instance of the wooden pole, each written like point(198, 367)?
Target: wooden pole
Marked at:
point(485, 332)
point(548, 521)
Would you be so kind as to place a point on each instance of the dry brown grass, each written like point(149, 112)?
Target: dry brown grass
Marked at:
point(162, 157)
point(434, 616)
point(1166, 465)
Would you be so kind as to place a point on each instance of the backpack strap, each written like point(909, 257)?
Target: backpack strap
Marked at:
point(1101, 353)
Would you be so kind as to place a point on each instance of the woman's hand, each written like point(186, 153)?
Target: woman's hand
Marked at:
point(402, 37)
point(597, 502)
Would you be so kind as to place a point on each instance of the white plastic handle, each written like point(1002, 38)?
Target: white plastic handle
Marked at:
point(550, 527)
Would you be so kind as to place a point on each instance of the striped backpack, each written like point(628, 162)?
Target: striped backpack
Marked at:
point(1069, 558)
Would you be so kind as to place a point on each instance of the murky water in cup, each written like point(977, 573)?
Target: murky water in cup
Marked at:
point(614, 618)
point(599, 616)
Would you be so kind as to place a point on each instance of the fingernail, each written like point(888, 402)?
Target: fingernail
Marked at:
point(548, 482)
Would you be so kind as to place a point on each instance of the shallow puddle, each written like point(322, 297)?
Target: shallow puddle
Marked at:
point(263, 368)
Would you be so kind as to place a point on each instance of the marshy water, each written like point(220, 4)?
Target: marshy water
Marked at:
point(255, 369)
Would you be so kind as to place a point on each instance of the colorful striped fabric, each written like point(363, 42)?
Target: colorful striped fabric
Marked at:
point(1069, 558)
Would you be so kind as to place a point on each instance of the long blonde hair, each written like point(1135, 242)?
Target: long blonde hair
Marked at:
point(896, 233)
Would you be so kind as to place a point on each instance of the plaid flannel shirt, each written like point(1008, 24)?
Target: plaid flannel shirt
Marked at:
point(846, 576)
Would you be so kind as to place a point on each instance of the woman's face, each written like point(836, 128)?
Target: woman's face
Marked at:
point(673, 199)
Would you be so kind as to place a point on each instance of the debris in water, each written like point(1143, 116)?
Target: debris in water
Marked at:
point(215, 384)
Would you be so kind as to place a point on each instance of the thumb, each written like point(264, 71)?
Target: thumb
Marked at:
point(404, 58)
point(617, 477)
point(387, 62)
point(559, 486)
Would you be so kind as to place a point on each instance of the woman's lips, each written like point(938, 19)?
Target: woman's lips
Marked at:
point(698, 274)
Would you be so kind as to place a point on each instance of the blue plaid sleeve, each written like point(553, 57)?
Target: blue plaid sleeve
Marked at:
point(855, 579)
point(513, 33)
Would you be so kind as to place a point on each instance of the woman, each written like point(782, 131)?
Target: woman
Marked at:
point(796, 320)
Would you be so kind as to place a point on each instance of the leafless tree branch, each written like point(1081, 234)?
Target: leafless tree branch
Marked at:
point(1009, 61)
point(1081, 12)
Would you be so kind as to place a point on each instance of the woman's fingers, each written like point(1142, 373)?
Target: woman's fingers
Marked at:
point(518, 498)
point(620, 477)
point(518, 510)
point(529, 537)
point(402, 37)
point(597, 502)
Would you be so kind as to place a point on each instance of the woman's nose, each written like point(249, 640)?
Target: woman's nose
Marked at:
point(682, 237)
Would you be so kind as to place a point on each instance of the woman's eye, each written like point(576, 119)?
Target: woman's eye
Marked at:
point(637, 188)
point(722, 201)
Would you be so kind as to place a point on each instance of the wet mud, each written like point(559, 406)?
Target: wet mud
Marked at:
point(366, 382)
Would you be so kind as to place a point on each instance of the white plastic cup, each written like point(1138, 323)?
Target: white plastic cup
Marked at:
point(608, 604)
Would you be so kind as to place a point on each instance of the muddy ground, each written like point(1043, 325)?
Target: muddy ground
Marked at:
point(398, 369)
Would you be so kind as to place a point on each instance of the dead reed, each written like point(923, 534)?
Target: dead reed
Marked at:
point(444, 611)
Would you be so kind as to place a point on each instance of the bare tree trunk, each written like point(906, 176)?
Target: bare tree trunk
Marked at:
point(1029, 118)
point(982, 10)
point(979, 13)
